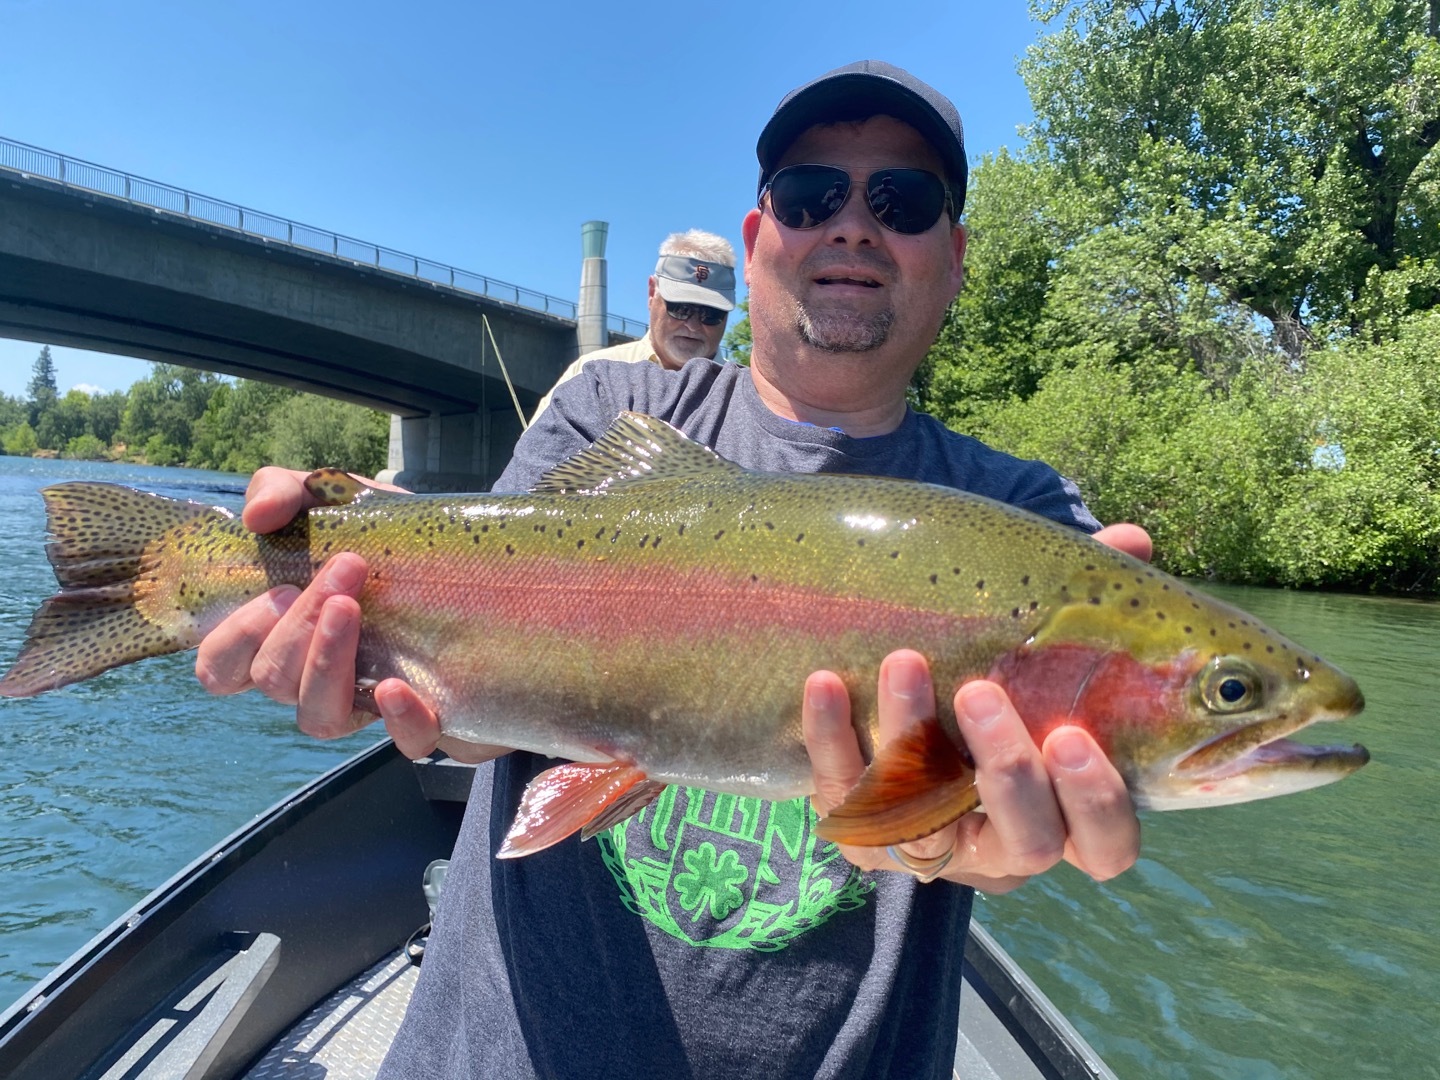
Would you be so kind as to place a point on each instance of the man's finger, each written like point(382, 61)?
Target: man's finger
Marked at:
point(906, 697)
point(1131, 539)
point(327, 683)
point(227, 653)
point(280, 662)
point(835, 759)
point(1104, 834)
point(1026, 832)
point(273, 498)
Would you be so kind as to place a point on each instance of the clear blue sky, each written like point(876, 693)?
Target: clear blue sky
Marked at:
point(480, 135)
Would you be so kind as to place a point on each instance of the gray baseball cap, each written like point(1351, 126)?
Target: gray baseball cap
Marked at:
point(857, 92)
point(683, 280)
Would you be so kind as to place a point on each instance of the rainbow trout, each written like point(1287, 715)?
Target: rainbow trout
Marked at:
point(651, 611)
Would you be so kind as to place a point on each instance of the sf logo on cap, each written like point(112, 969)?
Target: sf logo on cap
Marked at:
point(702, 272)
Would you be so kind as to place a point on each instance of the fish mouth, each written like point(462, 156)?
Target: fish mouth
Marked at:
point(1262, 744)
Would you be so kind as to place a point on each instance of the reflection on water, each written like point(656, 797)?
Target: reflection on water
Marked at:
point(1295, 937)
point(1289, 938)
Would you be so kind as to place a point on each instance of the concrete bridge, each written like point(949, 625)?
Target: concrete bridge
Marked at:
point(101, 260)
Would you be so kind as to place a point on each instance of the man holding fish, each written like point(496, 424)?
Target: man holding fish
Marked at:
point(716, 935)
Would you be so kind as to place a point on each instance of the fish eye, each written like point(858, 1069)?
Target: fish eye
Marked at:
point(1230, 686)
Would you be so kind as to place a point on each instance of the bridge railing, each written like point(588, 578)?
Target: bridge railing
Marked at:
point(87, 176)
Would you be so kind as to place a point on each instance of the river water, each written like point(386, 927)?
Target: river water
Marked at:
point(1298, 937)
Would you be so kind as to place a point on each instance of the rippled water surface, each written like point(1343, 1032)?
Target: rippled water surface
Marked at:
point(1293, 938)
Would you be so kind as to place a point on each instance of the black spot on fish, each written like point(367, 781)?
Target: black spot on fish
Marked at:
point(655, 543)
point(799, 537)
point(1160, 615)
point(934, 579)
point(509, 549)
point(894, 554)
point(770, 525)
point(1025, 580)
point(1134, 601)
point(1094, 600)
point(719, 534)
point(579, 544)
point(979, 584)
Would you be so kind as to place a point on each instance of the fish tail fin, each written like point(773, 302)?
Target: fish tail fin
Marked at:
point(918, 783)
point(576, 796)
point(105, 549)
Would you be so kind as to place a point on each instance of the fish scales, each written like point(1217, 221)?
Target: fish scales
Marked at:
point(653, 606)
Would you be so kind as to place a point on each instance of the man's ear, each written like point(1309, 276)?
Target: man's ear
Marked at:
point(958, 238)
point(651, 293)
point(749, 230)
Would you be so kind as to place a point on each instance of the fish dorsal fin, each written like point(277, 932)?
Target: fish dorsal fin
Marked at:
point(636, 449)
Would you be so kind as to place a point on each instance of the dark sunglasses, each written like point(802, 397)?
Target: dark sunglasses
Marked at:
point(905, 201)
point(708, 316)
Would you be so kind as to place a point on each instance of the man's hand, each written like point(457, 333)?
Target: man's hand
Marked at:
point(1041, 803)
point(298, 647)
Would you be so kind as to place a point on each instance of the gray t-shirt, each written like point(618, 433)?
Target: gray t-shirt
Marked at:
point(710, 935)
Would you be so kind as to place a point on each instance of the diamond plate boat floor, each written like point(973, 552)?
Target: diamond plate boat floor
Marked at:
point(346, 1036)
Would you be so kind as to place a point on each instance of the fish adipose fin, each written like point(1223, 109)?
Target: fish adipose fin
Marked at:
point(103, 550)
point(636, 449)
point(918, 783)
point(334, 487)
point(587, 797)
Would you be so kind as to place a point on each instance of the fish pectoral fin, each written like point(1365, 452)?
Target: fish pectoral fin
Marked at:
point(635, 449)
point(573, 796)
point(918, 783)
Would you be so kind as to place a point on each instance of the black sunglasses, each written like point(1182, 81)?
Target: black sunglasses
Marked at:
point(905, 201)
point(708, 316)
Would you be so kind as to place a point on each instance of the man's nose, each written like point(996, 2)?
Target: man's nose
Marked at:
point(854, 222)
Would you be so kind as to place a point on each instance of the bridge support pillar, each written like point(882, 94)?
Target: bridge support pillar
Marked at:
point(452, 452)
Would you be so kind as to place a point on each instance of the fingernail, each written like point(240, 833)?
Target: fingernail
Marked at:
point(981, 705)
point(907, 680)
point(283, 598)
point(821, 697)
point(333, 620)
point(1070, 750)
point(343, 576)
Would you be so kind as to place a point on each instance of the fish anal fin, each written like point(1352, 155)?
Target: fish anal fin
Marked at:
point(626, 806)
point(918, 783)
point(636, 449)
point(564, 799)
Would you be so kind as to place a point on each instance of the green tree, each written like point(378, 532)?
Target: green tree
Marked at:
point(12, 411)
point(105, 413)
point(162, 410)
point(42, 391)
point(85, 448)
point(20, 440)
point(737, 338)
point(1297, 184)
point(234, 433)
point(64, 420)
point(310, 432)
